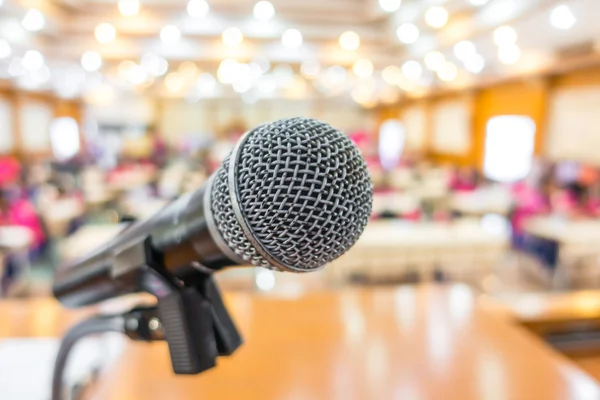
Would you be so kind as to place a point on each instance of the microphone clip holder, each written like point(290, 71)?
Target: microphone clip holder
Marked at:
point(194, 322)
point(190, 310)
point(196, 326)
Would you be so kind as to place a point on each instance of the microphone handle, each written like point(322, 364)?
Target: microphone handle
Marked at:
point(178, 237)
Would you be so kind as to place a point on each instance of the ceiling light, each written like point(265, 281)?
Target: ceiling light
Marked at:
point(33, 21)
point(250, 97)
point(174, 82)
point(478, 3)
point(206, 83)
point(154, 65)
point(436, 17)
point(349, 40)
point(562, 17)
point(137, 75)
point(188, 70)
point(91, 61)
point(363, 68)
point(310, 69)
point(407, 33)
point(12, 30)
point(284, 75)
point(509, 54)
point(292, 38)
point(232, 37)
point(264, 10)
point(391, 75)
point(34, 79)
point(256, 70)
point(32, 60)
point(129, 8)
point(227, 70)
point(390, 5)
point(475, 63)
point(105, 33)
point(15, 68)
point(243, 79)
point(198, 8)
point(505, 35)
point(170, 34)
point(448, 72)
point(364, 95)
point(336, 75)
point(69, 82)
point(263, 62)
point(267, 84)
point(464, 49)
point(434, 60)
point(412, 70)
point(124, 68)
point(5, 49)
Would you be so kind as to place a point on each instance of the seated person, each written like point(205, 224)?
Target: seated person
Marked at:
point(19, 211)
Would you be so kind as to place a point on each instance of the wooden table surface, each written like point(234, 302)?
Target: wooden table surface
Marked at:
point(411, 342)
point(564, 230)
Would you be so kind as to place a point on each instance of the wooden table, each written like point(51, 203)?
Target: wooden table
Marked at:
point(489, 200)
point(577, 241)
point(15, 238)
point(390, 248)
point(425, 342)
point(564, 230)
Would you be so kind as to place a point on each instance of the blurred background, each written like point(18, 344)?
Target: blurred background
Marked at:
point(478, 120)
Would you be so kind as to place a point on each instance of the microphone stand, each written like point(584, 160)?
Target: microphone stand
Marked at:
point(190, 316)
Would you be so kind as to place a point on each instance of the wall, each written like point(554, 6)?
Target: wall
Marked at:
point(574, 117)
point(25, 121)
point(178, 119)
point(527, 97)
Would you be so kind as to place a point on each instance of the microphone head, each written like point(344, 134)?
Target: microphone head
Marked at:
point(293, 195)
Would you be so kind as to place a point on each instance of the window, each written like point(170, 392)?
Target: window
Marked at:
point(392, 136)
point(64, 137)
point(509, 143)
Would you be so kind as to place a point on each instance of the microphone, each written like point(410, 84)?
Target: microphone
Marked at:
point(293, 195)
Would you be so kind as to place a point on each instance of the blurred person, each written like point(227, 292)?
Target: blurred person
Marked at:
point(10, 171)
point(590, 202)
point(17, 210)
point(529, 201)
point(464, 179)
point(159, 152)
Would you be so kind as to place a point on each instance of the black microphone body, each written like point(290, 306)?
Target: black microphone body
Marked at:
point(178, 235)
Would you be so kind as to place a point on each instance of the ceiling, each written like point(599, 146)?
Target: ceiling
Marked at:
point(70, 24)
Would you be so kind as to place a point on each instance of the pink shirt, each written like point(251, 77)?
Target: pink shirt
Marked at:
point(23, 213)
point(529, 202)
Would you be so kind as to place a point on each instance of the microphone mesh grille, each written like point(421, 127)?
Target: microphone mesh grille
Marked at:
point(228, 226)
point(304, 191)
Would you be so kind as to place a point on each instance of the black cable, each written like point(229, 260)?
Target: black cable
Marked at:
point(94, 325)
